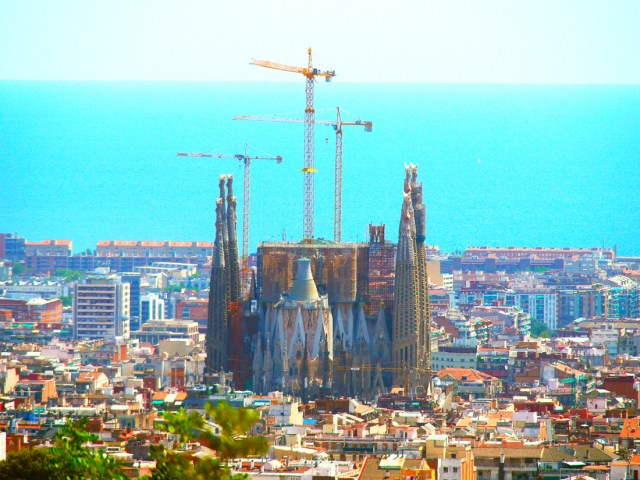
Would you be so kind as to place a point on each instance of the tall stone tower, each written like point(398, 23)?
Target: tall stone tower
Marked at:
point(224, 282)
point(232, 222)
point(411, 348)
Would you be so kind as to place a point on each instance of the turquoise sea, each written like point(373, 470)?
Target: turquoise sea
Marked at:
point(502, 164)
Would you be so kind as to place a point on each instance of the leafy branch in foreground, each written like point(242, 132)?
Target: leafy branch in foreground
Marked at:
point(70, 458)
point(230, 443)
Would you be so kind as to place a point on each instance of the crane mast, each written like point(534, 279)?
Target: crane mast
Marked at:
point(337, 187)
point(337, 126)
point(246, 207)
point(309, 134)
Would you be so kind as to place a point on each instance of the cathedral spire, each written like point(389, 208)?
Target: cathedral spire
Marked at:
point(224, 285)
point(232, 231)
point(217, 315)
point(411, 322)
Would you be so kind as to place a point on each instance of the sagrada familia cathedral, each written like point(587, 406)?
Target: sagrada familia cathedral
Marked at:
point(313, 336)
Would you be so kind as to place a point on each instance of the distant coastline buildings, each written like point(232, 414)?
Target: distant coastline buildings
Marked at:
point(171, 249)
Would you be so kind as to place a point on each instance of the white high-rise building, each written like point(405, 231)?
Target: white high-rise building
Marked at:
point(101, 308)
point(151, 308)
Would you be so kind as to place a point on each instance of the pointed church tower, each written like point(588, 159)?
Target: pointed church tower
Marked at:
point(410, 347)
point(232, 222)
point(217, 315)
point(224, 285)
point(424, 304)
point(225, 241)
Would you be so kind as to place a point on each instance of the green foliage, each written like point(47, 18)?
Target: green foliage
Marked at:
point(540, 269)
point(18, 269)
point(68, 275)
point(190, 427)
point(234, 424)
point(27, 464)
point(539, 329)
point(70, 459)
point(67, 301)
point(173, 288)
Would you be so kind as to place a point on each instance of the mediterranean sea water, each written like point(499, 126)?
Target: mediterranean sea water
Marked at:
point(502, 164)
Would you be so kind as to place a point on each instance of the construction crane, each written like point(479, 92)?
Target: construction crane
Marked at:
point(373, 368)
point(405, 369)
point(246, 215)
point(309, 132)
point(337, 126)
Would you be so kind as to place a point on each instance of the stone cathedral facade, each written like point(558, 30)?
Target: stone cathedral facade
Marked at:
point(313, 343)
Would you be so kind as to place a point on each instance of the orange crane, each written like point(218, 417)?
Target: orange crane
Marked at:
point(309, 132)
point(246, 215)
point(337, 126)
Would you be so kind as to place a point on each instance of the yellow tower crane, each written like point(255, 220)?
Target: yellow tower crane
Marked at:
point(246, 215)
point(337, 126)
point(309, 132)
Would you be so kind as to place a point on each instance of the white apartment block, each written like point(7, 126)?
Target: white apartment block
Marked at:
point(151, 308)
point(101, 308)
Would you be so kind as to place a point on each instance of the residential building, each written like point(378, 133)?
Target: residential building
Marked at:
point(101, 308)
point(194, 309)
point(12, 247)
point(539, 302)
point(517, 253)
point(623, 301)
point(171, 249)
point(134, 280)
point(151, 307)
point(153, 331)
point(36, 310)
point(581, 302)
point(470, 383)
point(507, 460)
point(33, 291)
point(454, 357)
point(55, 248)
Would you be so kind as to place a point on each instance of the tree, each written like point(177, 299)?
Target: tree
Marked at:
point(70, 458)
point(26, 464)
point(538, 328)
point(230, 443)
point(68, 275)
point(173, 288)
point(17, 269)
point(67, 301)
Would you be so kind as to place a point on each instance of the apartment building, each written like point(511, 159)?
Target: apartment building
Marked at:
point(101, 308)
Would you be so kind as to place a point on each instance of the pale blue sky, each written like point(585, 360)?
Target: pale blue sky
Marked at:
point(523, 41)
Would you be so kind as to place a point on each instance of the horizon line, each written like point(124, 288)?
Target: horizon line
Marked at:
point(399, 82)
